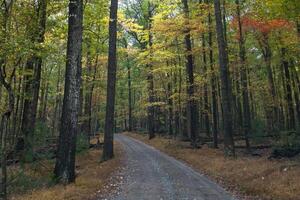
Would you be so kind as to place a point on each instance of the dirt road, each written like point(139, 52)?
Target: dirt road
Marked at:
point(153, 175)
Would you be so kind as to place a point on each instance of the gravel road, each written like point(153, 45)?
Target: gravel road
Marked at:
point(153, 175)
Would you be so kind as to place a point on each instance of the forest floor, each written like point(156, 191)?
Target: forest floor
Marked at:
point(93, 178)
point(247, 176)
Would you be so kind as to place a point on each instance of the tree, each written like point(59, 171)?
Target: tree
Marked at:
point(65, 162)
point(191, 105)
point(108, 151)
point(32, 80)
point(244, 78)
point(151, 96)
point(225, 82)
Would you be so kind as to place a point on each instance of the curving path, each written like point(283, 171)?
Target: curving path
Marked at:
point(153, 175)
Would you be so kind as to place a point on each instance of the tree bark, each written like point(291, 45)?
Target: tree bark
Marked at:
point(108, 152)
point(65, 161)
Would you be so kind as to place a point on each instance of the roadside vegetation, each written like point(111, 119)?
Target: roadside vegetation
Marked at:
point(93, 178)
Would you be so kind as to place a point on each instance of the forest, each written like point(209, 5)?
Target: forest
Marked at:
point(81, 81)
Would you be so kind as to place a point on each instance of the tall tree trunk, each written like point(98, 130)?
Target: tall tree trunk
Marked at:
point(244, 79)
point(108, 151)
point(65, 162)
point(32, 81)
point(214, 104)
point(191, 105)
point(225, 83)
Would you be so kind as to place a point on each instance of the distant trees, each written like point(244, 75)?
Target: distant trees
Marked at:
point(65, 161)
point(237, 100)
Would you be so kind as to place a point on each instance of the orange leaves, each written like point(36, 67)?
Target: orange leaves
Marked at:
point(264, 26)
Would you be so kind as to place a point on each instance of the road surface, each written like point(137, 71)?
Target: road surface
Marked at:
point(153, 175)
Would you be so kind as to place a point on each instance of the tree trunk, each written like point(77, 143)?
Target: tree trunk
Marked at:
point(32, 82)
point(206, 104)
point(214, 104)
point(244, 80)
point(57, 102)
point(108, 152)
point(86, 126)
point(65, 161)
point(129, 92)
point(225, 83)
point(151, 97)
point(192, 110)
point(170, 105)
point(272, 115)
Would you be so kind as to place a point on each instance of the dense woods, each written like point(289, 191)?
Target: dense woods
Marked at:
point(218, 72)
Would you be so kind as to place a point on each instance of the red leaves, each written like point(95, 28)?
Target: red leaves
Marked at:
point(262, 26)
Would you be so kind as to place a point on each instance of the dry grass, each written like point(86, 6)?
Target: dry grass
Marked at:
point(92, 176)
point(266, 179)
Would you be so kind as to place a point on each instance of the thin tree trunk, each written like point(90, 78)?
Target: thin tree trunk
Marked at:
point(129, 92)
point(86, 126)
point(65, 162)
point(170, 105)
point(108, 151)
point(206, 104)
point(57, 102)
